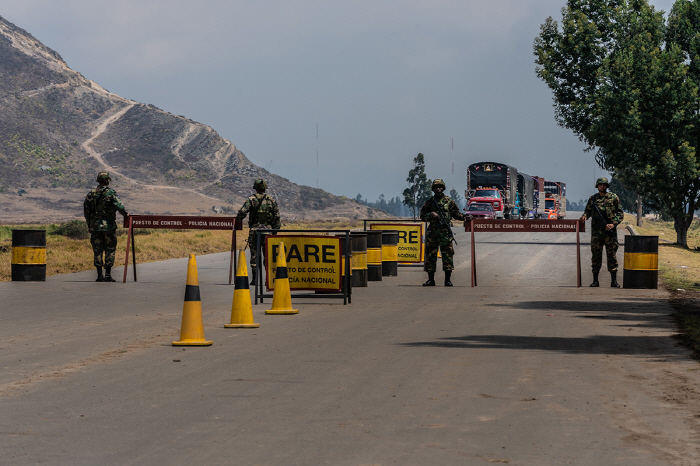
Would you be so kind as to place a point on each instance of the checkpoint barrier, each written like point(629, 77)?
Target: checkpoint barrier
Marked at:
point(641, 268)
point(313, 263)
point(525, 226)
point(175, 222)
point(374, 255)
point(411, 250)
point(28, 256)
point(359, 259)
point(390, 253)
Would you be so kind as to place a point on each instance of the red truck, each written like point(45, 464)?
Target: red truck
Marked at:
point(493, 183)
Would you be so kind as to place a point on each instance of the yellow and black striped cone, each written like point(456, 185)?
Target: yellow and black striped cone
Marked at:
point(192, 329)
point(242, 308)
point(282, 296)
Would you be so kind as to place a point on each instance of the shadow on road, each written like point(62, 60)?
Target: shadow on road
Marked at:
point(596, 344)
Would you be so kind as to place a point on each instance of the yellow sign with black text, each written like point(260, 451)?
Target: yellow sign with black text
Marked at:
point(313, 262)
point(410, 240)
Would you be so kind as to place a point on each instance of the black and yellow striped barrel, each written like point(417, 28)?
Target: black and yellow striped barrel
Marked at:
point(28, 255)
point(641, 262)
point(390, 253)
point(374, 255)
point(358, 261)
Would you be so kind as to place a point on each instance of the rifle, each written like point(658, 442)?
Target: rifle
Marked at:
point(605, 220)
point(443, 220)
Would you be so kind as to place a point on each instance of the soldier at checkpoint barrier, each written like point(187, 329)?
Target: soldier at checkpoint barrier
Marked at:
point(100, 208)
point(263, 214)
point(439, 211)
point(604, 208)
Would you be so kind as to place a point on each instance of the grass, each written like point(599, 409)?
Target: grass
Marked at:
point(66, 255)
point(679, 270)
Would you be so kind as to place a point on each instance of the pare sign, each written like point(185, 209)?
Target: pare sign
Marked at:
point(410, 240)
point(313, 262)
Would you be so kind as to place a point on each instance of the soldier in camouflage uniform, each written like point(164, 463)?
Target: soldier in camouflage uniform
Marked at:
point(100, 208)
point(264, 215)
point(439, 236)
point(604, 208)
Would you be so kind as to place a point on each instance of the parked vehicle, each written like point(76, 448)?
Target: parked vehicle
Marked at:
point(557, 191)
point(494, 183)
point(481, 210)
point(525, 202)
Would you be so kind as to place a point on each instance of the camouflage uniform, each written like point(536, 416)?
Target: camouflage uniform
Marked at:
point(437, 236)
point(264, 215)
point(609, 206)
point(100, 208)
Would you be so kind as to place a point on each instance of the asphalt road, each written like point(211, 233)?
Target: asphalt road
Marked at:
point(525, 369)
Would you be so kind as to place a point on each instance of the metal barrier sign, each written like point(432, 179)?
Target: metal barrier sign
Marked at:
point(180, 222)
point(521, 226)
point(410, 240)
point(313, 262)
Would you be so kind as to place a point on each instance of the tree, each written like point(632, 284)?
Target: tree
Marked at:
point(418, 191)
point(457, 198)
point(626, 84)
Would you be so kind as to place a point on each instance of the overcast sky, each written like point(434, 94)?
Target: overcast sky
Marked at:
point(382, 81)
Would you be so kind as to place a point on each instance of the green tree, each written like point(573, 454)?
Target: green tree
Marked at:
point(418, 190)
point(457, 198)
point(624, 84)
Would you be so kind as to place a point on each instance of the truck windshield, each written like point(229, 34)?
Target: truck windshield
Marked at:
point(486, 193)
point(548, 203)
point(485, 207)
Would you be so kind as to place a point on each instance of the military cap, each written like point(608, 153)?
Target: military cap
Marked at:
point(103, 176)
point(438, 183)
point(602, 180)
point(259, 184)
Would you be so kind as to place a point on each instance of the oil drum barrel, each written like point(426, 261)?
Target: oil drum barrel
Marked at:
point(390, 253)
point(28, 255)
point(374, 255)
point(358, 261)
point(641, 268)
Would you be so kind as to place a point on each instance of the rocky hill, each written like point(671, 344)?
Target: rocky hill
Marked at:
point(59, 129)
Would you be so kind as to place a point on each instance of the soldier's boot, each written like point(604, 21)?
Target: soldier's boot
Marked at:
point(448, 275)
point(431, 279)
point(595, 280)
point(255, 276)
point(614, 283)
point(100, 278)
point(108, 275)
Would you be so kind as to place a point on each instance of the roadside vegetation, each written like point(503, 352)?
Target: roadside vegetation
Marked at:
point(679, 270)
point(68, 244)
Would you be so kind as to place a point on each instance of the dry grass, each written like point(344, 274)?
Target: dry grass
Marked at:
point(65, 255)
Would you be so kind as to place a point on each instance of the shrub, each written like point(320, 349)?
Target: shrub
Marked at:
point(75, 229)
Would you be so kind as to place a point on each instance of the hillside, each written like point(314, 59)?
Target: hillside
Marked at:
point(58, 129)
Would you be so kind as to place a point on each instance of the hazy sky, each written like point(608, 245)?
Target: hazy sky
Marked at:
point(383, 80)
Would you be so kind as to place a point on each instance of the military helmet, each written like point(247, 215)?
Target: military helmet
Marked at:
point(103, 177)
point(259, 184)
point(602, 180)
point(437, 183)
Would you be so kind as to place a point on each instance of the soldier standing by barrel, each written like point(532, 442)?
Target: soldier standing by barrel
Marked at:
point(439, 211)
point(100, 208)
point(263, 214)
point(604, 208)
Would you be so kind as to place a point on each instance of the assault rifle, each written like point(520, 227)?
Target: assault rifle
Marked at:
point(443, 220)
point(605, 220)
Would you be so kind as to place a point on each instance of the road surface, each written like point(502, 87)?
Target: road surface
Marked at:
point(525, 369)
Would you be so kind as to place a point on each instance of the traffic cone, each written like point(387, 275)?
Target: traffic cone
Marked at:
point(242, 308)
point(282, 297)
point(192, 329)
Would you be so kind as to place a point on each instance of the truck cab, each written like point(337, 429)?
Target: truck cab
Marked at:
point(491, 196)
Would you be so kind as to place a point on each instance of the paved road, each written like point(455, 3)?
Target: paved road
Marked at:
point(525, 369)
